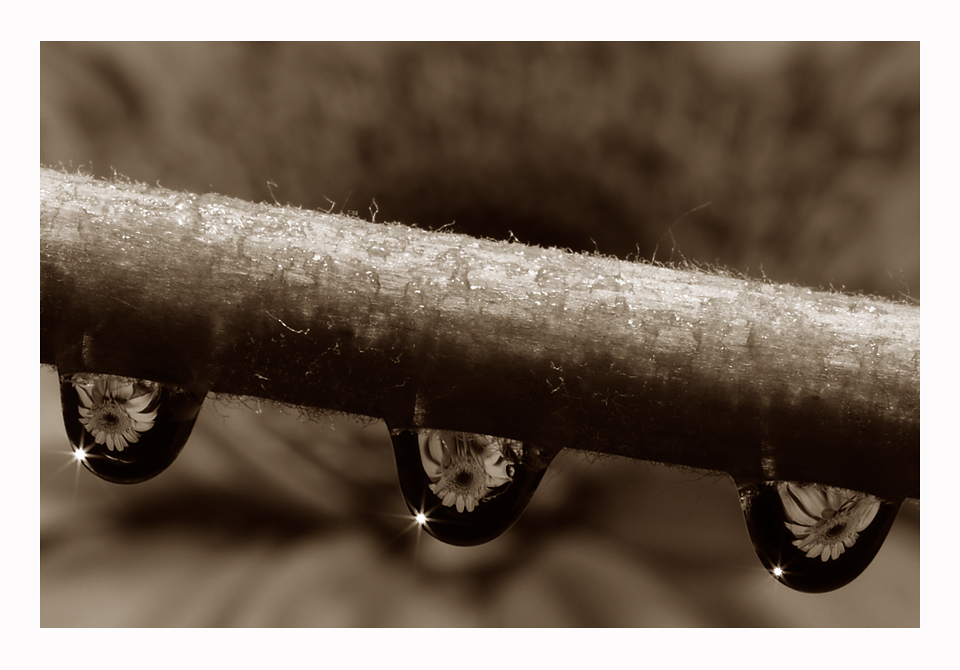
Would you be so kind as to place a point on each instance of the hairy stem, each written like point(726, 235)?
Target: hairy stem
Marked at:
point(428, 329)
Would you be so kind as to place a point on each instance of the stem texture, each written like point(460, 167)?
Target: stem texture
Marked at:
point(432, 329)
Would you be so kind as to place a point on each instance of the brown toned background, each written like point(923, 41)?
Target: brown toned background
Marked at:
point(807, 154)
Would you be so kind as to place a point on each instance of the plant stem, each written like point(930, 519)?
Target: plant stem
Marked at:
point(431, 329)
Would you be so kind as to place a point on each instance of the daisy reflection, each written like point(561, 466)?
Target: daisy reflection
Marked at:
point(826, 520)
point(115, 411)
point(465, 468)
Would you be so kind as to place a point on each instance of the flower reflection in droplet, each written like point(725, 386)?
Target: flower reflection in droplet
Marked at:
point(826, 520)
point(464, 469)
point(115, 411)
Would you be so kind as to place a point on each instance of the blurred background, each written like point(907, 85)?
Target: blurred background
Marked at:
point(795, 162)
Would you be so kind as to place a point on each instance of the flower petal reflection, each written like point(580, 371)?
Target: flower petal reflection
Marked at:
point(115, 411)
point(466, 468)
point(826, 520)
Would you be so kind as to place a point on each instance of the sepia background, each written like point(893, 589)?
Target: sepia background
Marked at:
point(798, 163)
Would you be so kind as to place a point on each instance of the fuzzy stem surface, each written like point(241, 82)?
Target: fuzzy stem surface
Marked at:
point(439, 330)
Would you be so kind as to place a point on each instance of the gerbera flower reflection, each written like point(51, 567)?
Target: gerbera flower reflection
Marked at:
point(465, 468)
point(826, 520)
point(114, 410)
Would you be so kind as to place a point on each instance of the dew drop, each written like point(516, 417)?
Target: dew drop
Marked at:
point(815, 538)
point(126, 430)
point(464, 488)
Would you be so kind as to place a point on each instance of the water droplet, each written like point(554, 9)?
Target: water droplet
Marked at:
point(464, 488)
point(126, 430)
point(812, 537)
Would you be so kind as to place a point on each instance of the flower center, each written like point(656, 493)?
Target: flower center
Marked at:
point(836, 531)
point(466, 476)
point(109, 417)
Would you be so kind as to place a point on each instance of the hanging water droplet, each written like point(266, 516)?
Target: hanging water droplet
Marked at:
point(126, 430)
point(464, 488)
point(812, 537)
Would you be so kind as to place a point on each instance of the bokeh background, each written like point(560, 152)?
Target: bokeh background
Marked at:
point(795, 162)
